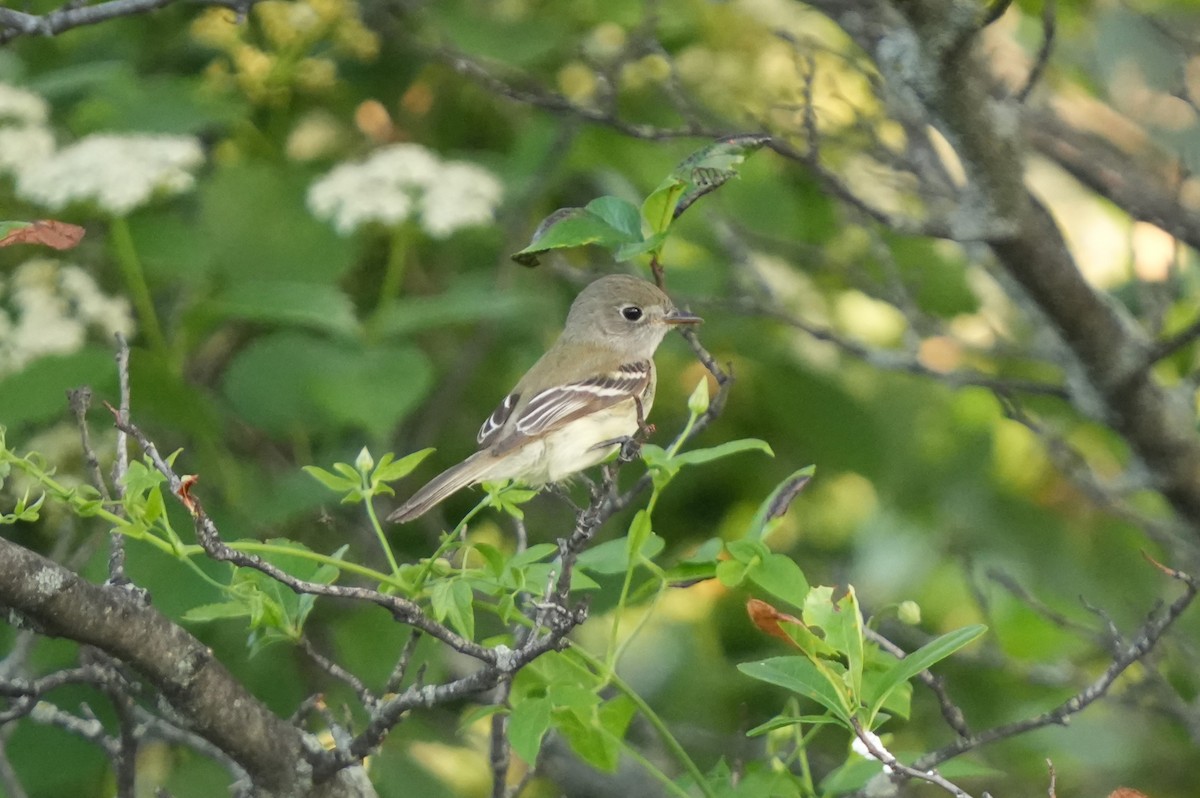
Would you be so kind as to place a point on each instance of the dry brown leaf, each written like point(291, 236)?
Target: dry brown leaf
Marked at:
point(48, 232)
point(767, 619)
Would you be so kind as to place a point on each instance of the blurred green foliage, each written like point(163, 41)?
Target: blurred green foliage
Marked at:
point(281, 352)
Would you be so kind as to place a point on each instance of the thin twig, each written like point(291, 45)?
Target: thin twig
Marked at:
point(899, 770)
point(1141, 644)
point(1049, 29)
point(368, 699)
point(116, 542)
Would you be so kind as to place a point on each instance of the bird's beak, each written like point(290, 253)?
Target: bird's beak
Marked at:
point(675, 317)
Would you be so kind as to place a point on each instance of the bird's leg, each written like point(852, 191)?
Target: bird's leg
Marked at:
point(631, 447)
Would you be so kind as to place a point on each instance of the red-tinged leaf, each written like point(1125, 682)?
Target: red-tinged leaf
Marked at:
point(767, 619)
point(47, 232)
point(185, 493)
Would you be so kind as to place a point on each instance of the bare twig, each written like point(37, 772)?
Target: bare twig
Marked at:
point(902, 771)
point(1141, 644)
point(1049, 29)
point(368, 699)
point(18, 23)
point(116, 543)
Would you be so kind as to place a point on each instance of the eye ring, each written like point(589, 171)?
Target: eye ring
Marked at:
point(631, 313)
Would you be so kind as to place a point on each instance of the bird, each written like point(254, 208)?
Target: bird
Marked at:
point(581, 401)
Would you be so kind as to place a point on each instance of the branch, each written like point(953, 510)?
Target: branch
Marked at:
point(209, 538)
point(899, 771)
point(1147, 637)
point(182, 668)
point(1139, 187)
point(18, 23)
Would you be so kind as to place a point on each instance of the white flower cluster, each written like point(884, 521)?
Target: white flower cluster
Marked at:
point(22, 107)
point(117, 172)
point(405, 181)
point(859, 746)
point(24, 138)
point(48, 307)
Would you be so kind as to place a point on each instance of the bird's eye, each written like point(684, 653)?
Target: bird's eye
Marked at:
point(631, 312)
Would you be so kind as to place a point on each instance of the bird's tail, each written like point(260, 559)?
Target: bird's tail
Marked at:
point(470, 471)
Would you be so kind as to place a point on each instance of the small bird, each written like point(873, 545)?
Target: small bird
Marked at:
point(582, 400)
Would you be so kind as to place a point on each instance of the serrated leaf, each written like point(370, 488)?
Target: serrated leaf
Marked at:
point(619, 214)
point(802, 677)
point(573, 227)
point(709, 168)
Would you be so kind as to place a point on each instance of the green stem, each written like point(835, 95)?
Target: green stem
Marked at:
point(397, 265)
point(668, 739)
point(383, 541)
point(135, 283)
point(444, 546)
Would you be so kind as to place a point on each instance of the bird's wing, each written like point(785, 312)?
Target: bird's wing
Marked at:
point(553, 407)
point(495, 422)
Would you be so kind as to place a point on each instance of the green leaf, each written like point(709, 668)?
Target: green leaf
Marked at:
point(575, 227)
point(591, 744)
point(460, 305)
point(639, 534)
point(291, 381)
point(616, 714)
point(332, 481)
point(627, 252)
point(389, 471)
point(528, 725)
point(34, 395)
point(575, 698)
point(775, 505)
point(535, 553)
point(612, 556)
point(927, 655)
point(784, 721)
point(453, 603)
point(315, 306)
point(707, 169)
point(731, 573)
point(802, 677)
point(843, 627)
point(213, 612)
point(780, 576)
point(619, 214)
point(658, 209)
point(703, 171)
point(698, 456)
